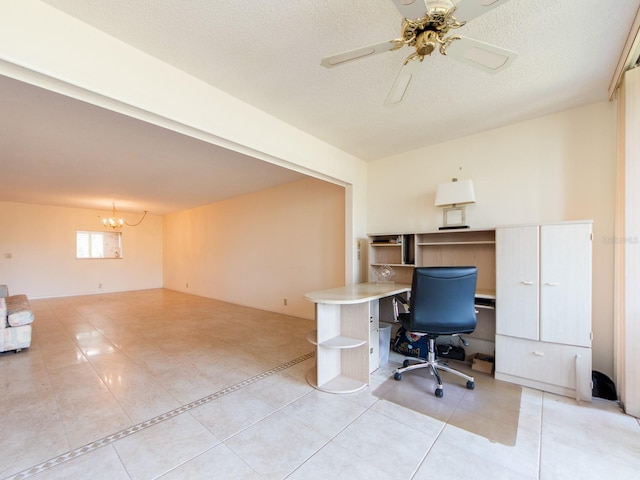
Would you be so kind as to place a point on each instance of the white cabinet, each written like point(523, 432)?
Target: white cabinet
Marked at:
point(374, 335)
point(543, 319)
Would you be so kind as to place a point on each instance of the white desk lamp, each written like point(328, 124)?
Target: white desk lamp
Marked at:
point(456, 193)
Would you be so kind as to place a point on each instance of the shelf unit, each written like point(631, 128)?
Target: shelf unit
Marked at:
point(396, 251)
point(346, 338)
point(462, 247)
point(405, 251)
point(402, 252)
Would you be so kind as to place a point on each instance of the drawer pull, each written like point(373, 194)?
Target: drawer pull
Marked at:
point(552, 284)
point(527, 282)
point(538, 354)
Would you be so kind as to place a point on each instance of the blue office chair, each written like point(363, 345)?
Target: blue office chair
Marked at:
point(442, 303)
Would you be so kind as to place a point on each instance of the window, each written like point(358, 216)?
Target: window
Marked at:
point(98, 244)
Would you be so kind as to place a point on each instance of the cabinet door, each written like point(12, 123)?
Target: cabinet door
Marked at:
point(517, 282)
point(565, 284)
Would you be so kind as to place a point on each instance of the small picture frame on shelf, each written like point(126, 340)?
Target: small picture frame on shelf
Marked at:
point(453, 218)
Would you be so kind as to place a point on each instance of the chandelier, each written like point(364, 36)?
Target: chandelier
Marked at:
point(115, 220)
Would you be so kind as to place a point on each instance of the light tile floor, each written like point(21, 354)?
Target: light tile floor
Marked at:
point(160, 384)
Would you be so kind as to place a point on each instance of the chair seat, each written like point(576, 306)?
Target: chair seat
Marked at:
point(405, 321)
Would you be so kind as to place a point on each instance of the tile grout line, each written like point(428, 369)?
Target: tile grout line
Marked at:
point(109, 439)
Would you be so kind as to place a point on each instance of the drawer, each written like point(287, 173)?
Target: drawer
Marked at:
point(564, 366)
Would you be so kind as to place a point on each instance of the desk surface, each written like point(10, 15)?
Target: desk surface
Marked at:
point(358, 293)
point(365, 292)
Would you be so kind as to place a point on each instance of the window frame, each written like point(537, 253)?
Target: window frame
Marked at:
point(95, 244)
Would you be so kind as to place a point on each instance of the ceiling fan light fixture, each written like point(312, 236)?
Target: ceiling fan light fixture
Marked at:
point(426, 42)
point(426, 25)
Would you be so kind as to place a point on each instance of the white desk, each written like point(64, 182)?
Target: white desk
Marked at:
point(346, 335)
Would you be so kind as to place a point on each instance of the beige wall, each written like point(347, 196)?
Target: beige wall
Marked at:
point(41, 45)
point(558, 167)
point(258, 249)
point(41, 241)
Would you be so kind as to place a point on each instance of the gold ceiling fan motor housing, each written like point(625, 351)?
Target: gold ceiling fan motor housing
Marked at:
point(426, 33)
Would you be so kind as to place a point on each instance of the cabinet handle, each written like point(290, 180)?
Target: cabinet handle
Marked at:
point(538, 354)
point(552, 284)
point(527, 282)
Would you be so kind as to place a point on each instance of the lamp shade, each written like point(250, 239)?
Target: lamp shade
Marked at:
point(457, 192)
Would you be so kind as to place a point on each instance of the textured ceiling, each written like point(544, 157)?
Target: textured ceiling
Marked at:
point(60, 151)
point(268, 54)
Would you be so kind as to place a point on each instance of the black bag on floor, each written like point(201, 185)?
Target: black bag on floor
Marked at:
point(410, 345)
point(603, 386)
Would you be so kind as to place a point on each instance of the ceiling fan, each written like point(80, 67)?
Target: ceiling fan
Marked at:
point(425, 26)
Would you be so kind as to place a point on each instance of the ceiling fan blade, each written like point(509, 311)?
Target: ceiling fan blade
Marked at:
point(402, 81)
point(481, 55)
point(411, 9)
point(467, 10)
point(358, 53)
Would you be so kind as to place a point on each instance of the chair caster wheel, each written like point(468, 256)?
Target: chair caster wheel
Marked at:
point(439, 392)
point(397, 376)
point(471, 385)
point(405, 363)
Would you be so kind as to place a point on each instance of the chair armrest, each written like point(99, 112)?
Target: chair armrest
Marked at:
point(397, 300)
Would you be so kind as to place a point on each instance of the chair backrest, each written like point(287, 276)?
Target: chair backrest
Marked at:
point(443, 300)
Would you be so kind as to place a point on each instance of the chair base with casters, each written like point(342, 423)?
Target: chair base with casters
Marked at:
point(432, 363)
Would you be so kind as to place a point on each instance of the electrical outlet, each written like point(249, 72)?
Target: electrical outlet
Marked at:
point(285, 302)
point(99, 285)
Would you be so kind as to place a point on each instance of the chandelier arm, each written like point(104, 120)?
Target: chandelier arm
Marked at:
point(139, 221)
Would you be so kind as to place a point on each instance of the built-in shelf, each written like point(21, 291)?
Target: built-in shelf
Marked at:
point(459, 247)
point(486, 307)
point(439, 244)
point(339, 384)
point(339, 341)
point(394, 264)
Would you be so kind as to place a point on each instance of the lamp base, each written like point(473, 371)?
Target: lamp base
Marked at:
point(454, 227)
